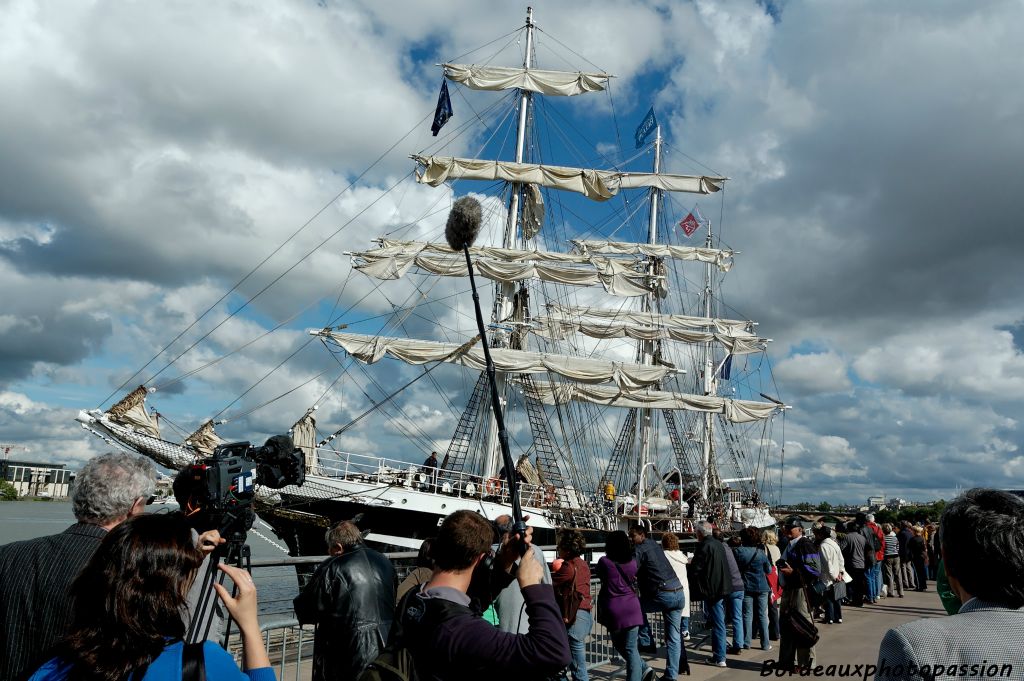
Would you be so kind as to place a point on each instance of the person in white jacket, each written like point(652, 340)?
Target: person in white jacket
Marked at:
point(831, 552)
point(678, 560)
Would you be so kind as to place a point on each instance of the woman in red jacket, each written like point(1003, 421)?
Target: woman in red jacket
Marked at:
point(572, 573)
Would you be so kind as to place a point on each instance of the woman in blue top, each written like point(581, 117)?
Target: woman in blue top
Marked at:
point(753, 564)
point(128, 603)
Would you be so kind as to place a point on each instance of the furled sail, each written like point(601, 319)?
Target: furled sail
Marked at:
point(394, 262)
point(598, 185)
point(204, 440)
point(722, 259)
point(736, 411)
point(554, 328)
point(371, 349)
point(304, 438)
point(131, 412)
point(553, 83)
point(730, 327)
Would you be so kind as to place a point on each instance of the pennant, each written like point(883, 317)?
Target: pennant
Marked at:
point(648, 124)
point(692, 222)
point(726, 368)
point(444, 109)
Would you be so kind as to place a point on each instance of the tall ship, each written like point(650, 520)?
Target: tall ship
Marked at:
point(631, 392)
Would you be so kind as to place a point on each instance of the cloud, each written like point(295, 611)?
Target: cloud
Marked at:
point(811, 373)
point(153, 156)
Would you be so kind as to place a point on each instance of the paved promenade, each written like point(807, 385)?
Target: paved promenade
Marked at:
point(854, 642)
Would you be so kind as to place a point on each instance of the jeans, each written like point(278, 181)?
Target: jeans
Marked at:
point(872, 583)
point(760, 601)
point(735, 603)
point(715, 612)
point(833, 608)
point(670, 604)
point(625, 641)
point(578, 632)
point(773, 622)
point(878, 577)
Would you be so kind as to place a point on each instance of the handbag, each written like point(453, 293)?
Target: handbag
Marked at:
point(774, 590)
point(839, 591)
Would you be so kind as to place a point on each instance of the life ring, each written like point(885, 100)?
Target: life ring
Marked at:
point(493, 487)
point(549, 495)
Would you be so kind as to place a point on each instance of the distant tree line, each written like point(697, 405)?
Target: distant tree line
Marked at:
point(912, 513)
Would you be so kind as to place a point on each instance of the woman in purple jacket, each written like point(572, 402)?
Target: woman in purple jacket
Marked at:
point(619, 604)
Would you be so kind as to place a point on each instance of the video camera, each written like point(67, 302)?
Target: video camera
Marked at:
point(222, 487)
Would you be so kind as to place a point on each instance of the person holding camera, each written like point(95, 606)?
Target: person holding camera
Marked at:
point(449, 640)
point(127, 618)
point(351, 599)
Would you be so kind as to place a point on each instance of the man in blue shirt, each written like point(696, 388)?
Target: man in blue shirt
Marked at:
point(660, 591)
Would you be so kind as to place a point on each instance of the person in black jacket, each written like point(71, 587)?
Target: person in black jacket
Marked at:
point(351, 597)
point(711, 582)
point(448, 638)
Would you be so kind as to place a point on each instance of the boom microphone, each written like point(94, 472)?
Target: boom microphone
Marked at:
point(463, 223)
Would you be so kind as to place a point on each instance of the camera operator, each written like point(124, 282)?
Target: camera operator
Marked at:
point(206, 537)
point(449, 639)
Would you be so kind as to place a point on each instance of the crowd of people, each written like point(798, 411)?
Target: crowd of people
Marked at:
point(117, 595)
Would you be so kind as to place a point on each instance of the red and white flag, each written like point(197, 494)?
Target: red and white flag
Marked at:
point(690, 223)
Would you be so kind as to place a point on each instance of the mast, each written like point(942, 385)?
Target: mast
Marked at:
point(647, 347)
point(709, 381)
point(504, 291)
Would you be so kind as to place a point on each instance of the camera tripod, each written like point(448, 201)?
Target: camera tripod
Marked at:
point(234, 552)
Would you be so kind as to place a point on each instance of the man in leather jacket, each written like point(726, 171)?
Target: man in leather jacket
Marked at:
point(351, 599)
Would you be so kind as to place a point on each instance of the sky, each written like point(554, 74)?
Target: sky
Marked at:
point(154, 153)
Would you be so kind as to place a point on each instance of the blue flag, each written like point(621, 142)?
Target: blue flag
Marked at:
point(443, 111)
point(646, 126)
point(726, 368)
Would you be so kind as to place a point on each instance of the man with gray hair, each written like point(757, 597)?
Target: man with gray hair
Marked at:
point(981, 540)
point(711, 582)
point(36, 575)
point(351, 599)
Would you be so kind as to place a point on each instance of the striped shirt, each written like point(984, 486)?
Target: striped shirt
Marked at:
point(35, 577)
point(892, 545)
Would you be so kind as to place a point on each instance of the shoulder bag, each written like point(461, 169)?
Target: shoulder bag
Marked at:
point(805, 633)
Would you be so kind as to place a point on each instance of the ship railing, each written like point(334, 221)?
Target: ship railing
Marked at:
point(392, 472)
point(290, 645)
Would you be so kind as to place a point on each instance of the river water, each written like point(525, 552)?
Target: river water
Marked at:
point(277, 586)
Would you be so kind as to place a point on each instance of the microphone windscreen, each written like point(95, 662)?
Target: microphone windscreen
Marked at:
point(463, 223)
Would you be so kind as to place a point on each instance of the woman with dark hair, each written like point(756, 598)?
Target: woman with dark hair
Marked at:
point(128, 603)
point(572, 576)
point(619, 603)
point(752, 561)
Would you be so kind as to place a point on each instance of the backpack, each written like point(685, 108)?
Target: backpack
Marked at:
point(569, 598)
point(396, 661)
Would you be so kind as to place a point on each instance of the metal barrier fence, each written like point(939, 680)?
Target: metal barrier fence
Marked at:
point(290, 645)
